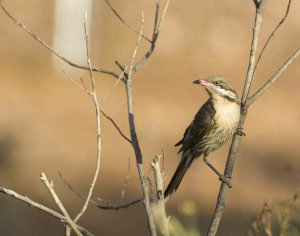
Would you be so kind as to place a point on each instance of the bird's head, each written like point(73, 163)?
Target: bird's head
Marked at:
point(217, 86)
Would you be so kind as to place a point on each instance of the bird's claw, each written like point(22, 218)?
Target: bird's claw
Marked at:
point(240, 132)
point(225, 180)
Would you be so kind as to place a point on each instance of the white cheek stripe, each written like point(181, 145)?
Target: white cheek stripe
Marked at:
point(227, 93)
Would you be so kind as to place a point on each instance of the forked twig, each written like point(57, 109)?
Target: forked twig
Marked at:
point(124, 22)
point(41, 207)
point(246, 102)
point(106, 205)
point(156, 30)
point(273, 33)
point(135, 142)
point(50, 188)
point(272, 80)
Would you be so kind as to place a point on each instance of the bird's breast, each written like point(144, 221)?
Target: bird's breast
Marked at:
point(227, 115)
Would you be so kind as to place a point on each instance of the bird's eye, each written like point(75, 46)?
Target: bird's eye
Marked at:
point(217, 83)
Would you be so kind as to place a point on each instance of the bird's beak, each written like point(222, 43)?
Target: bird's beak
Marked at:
point(197, 81)
point(204, 83)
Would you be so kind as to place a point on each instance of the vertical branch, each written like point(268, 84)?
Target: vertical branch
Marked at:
point(159, 209)
point(93, 95)
point(251, 66)
point(134, 139)
point(220, 205)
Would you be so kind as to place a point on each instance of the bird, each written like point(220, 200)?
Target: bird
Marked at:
point(215, 123)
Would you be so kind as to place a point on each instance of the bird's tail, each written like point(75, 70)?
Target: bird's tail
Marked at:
point(183, 166)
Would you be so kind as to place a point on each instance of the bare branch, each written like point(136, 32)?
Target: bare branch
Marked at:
point(272, 80)
point(44, 44)
point(251, 66)
point(73, 81)
point(41, 207)
point(102, 112)
point(220, 204)
point(116, 126)
point(136, 46)
point(156, 29)
point(273, 33)
point(98, 125)
point(58, 203)
point(119, 206)
point(162, 16)
point(135, 142)
point(107, 205)
point(124, 22)
point(158, 207)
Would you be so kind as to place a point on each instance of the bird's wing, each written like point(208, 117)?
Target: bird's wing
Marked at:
point(195, 132)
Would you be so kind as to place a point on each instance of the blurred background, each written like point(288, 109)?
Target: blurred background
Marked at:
point(48, 125)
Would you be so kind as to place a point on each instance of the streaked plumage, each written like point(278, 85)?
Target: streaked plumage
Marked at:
point(215, 123)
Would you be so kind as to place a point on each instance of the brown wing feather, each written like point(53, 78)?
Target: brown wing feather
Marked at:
point(198, 128)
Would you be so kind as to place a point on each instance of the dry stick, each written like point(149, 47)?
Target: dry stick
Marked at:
point(135, 142)
point(256, 29)
point(41, 207)
point(124, 22)
point(220, 205)
point(98, 125)
point(273, 33)
point(155, 34)
point(116, 126)
point(118, 206)
point(102, 112)
point(59, 204)
point(247, 102)
point(161, 219)
point(43, 43)
point(272, 80)
point(107, 206)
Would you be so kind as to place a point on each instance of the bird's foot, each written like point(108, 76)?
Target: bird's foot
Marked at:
point(225, 180)
point(240, 132)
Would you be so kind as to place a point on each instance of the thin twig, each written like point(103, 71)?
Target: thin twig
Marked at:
point(45, 45)
point(155, 34)
point(162, 16)
point(73, 81)
point(98, 125)
point(135, 142)
point(136, 46)
point(116, 126)
point(124, 22)
point(272, 80)
point(83, 87)
point(113, 87)
point(58, 203)
point(107, 205)
point(119, 206)
point(273, 33)
point(41, 207)
point(251, 66)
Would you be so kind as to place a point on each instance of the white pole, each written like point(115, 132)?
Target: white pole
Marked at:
point(68, 35)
